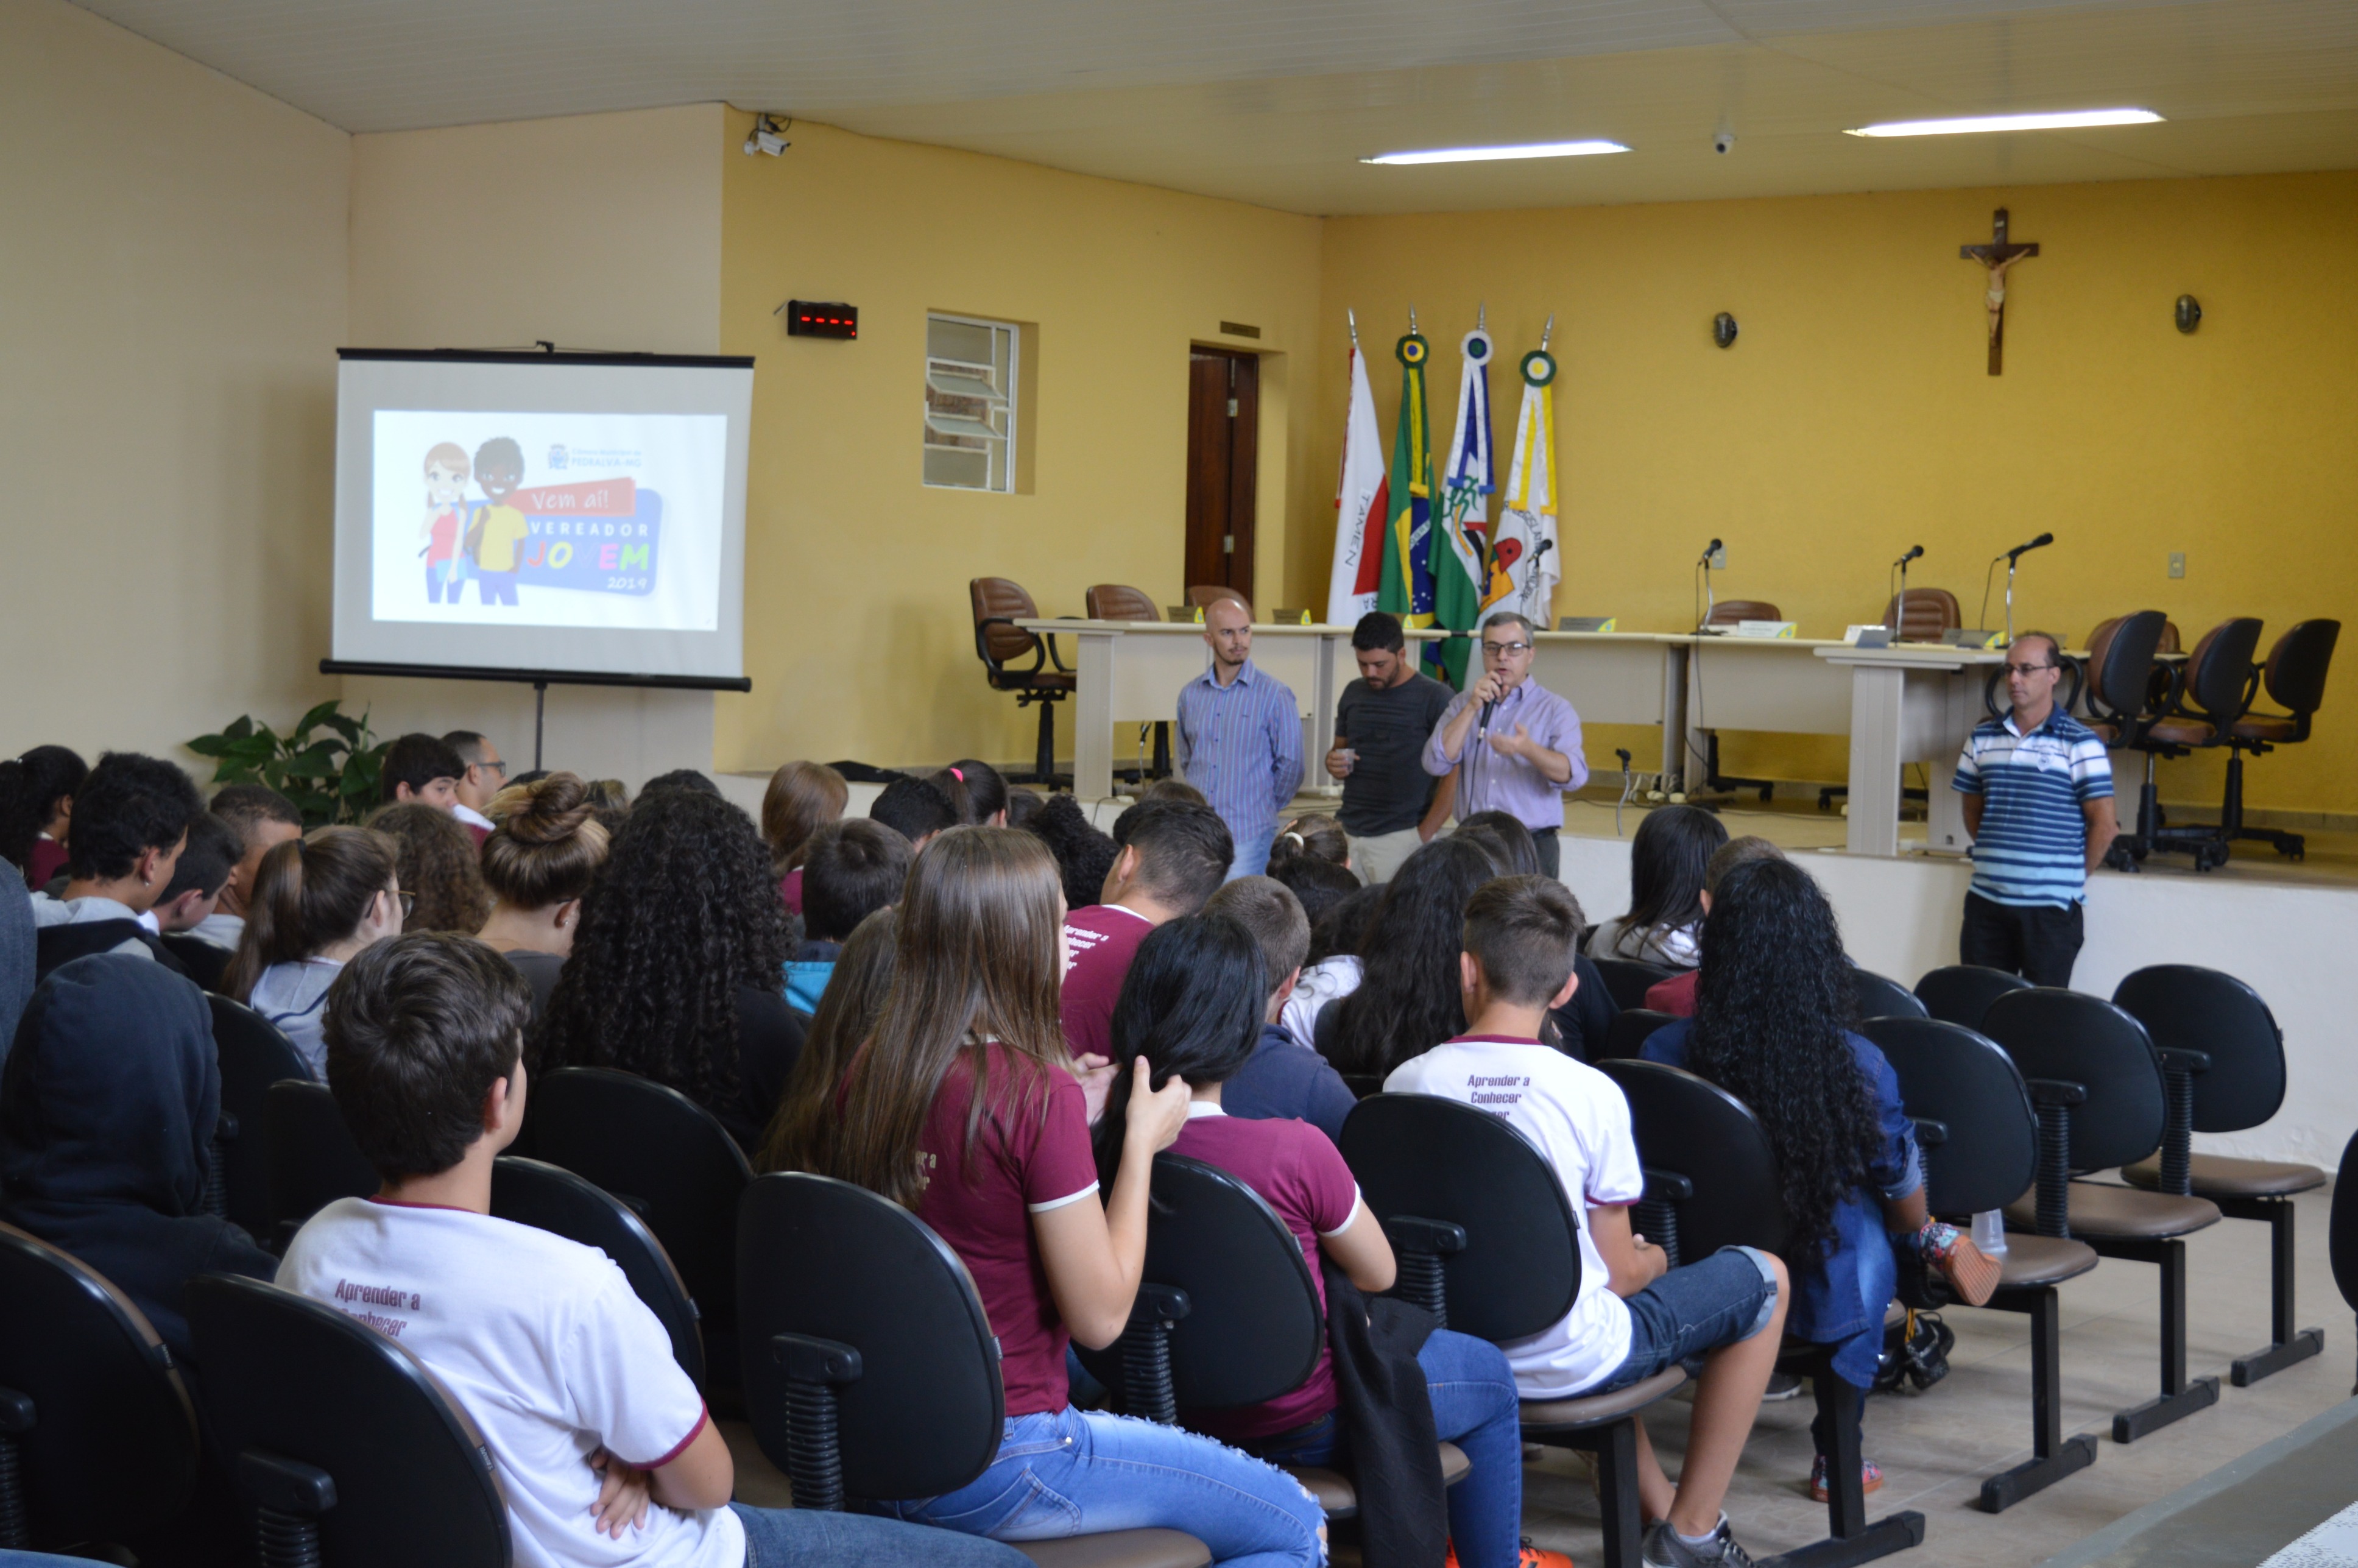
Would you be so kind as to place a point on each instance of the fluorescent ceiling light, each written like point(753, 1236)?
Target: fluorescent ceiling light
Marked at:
point(2070, 120)
point(1485, 155)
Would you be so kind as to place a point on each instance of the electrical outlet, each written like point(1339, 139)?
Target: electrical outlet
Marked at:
point(2178, 563)
point(1719, 559)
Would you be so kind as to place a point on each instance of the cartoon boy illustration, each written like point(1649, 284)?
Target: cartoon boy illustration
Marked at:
point(445, 509)
point(498, 528)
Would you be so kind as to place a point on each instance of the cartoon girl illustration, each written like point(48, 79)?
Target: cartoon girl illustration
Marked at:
point(446, 489)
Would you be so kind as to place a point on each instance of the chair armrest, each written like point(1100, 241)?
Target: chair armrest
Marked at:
point(2176, 1059)
point(2055, 1091)
point(1929, 1133)
point(805, 1359)
point(1667, 1186)
point(982, 646)
point(1434, 1237)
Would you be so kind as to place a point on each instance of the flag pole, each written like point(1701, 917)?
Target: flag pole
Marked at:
point(1548, 331)
point(1353, 317)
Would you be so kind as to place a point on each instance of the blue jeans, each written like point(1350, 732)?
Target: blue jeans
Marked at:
point(1474, 1406)
point(1079, 1472)
point(804, 1538)
point(1251, 854)
point(1724, 1300)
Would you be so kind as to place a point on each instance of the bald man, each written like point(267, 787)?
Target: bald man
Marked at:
point(1239, 737)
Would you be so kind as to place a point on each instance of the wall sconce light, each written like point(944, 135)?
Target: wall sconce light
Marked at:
point(1722, 330)
point(2189, 313)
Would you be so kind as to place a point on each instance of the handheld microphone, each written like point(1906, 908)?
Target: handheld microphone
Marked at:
point(1483, 730)
point(2019, 550)
point(1913, 551)
point(1708, 551)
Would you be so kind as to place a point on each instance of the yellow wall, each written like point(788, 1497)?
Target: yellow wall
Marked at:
point(172, 267)
point(1853, 418)
point(857, 632)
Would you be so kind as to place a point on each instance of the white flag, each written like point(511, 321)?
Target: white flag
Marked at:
point(1525, 562)
point(1361, 505)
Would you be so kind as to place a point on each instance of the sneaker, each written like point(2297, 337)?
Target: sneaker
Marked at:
point(1663, 1549)
point(1781, 1386)
point(1971, 1272)
point(1531, 1557)
point(1870, 1477)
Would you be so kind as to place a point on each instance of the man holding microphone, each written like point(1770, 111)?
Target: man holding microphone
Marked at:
point(1390, 805)
point(1513, 744)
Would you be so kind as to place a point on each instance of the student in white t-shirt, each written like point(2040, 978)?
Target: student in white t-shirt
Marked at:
point(1634, 1316)
point(605, 1453)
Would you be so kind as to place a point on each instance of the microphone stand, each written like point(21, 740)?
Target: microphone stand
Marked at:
point(2011, 562)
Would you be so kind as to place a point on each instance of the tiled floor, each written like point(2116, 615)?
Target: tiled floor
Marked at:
point(1936, 1446)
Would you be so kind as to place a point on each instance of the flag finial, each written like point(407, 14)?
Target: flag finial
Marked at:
point(1411, 320)
point(1353, 317)
point(1548, 331)
point(1482, 317)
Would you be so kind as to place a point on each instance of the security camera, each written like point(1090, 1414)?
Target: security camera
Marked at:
point(769, 136)
point(1723, 141)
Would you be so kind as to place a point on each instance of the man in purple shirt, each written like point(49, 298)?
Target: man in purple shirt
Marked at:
point(1524, 754)
point(1240, 738)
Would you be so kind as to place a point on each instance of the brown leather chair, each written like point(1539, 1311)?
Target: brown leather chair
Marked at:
point(1113, 602)
point(1727, 612)
point(1930, 613)
point(998, 603)
point(2213, 691)
point(1203, 595)
point(2294, 679)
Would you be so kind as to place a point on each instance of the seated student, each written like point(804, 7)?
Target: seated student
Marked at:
point(1667, 857)
point(855, 868)
point(1172, 857)
point(679, 962)
point(803, 797)
point(915, 809)
point(976, 791)
point(1311, 838)
point(1319, 885)
point(1772, 1028)
point(422, 768)
point(1283, 1076)
point(262, 819)
point(1676, 996)
point(131, 822)
point(36, 792)
point(1023, 806)
point(486, 775)
point(1083, 855)
point(188, 900)
point(1331, 969)
point(441, 867)
point(605, 1457)
point(847, 1016)
point(680, 778)
point(1187, 1008)
point(1011, 1184)
point(1634, 1316)
point(318, 903)
point(1585, 1021)
point(1409, 996)
point(107, 1107)
point(546, 846)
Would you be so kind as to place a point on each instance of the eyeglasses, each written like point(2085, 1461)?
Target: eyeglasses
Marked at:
point(1504, 650)
point(408, 902)
point(2015, 669)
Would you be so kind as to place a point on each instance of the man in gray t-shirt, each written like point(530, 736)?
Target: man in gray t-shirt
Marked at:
point(1391, 805)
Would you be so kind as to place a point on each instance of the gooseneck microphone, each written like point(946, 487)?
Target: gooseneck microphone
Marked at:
point(1708, 551)
point(2039, 542)
point(1913, 551)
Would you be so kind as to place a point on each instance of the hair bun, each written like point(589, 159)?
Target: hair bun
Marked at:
point(546, 811)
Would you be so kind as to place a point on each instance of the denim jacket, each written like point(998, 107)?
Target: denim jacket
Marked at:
point(1841, 1300)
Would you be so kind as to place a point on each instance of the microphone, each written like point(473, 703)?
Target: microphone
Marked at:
point(1708, 551)
point(2043, 540)
point(1483, 730)
point(1913, 551)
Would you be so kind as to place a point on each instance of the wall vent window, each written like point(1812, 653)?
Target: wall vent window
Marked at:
point(970, 371)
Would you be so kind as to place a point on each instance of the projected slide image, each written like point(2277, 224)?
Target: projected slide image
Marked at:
point(587, 520)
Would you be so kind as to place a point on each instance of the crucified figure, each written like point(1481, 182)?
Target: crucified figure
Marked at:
point(1996, 297)
point(1999, 256)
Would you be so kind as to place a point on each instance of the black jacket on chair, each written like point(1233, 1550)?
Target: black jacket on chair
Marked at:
point(1387, 1414)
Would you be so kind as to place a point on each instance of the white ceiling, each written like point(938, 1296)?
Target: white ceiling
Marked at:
point(1275, 100)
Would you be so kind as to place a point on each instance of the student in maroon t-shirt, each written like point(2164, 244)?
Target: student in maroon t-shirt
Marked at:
point(1174, 855)
point(1012, 1185)
point(1192, 1007)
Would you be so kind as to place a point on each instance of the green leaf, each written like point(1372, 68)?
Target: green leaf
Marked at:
point(350, 729)
point(317, 716)
point(241, 728)
point(209, 746)
point(310, 765)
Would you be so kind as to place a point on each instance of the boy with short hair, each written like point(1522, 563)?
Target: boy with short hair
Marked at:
point(852, 868)
point(1172, 855)
point(189, 899)
point(1634, 1316)
point(605, 1454)
point(419, 767)
point(262, 819)
point(915, 809)
point(131, 822)
point(1283, 1076)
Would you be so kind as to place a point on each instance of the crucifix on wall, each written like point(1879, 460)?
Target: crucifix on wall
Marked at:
point(1998, 256)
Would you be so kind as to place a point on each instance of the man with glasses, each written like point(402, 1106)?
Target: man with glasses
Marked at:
point(1239, 737)
point(1521, 756)
point(486, 775)
point(2039, 802)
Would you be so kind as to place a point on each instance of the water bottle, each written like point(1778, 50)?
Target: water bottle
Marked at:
point(1989, 1233)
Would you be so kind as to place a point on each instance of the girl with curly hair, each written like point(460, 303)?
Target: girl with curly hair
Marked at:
point(678, 965)
point(1774, 1009)
point(438, 865)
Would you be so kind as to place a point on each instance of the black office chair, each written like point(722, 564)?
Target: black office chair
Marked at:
point(1225, 1315)
point(1710, 1181)
point(2093, 1077)
point(547, 1197)
point(1962, 993)
point(1631, 1028)
point(1980, 1141)
point(1881, 998)
point(98, 1439)
point(998, 603)
point(871, 1370)
point(2341, 1232)
point(1488, 1244)
point(253, 1056)
point(2209, 695)
point(2223, 1070)
point(340, 1439)
point(1629, 980)
point(2294, 677)
point(313, 1160)
point(668, 1161)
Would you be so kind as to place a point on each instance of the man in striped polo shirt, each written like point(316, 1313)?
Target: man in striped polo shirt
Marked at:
point(1239, 737)
point(2039, 802)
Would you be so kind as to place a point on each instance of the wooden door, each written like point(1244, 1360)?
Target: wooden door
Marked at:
point(1223, 462)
